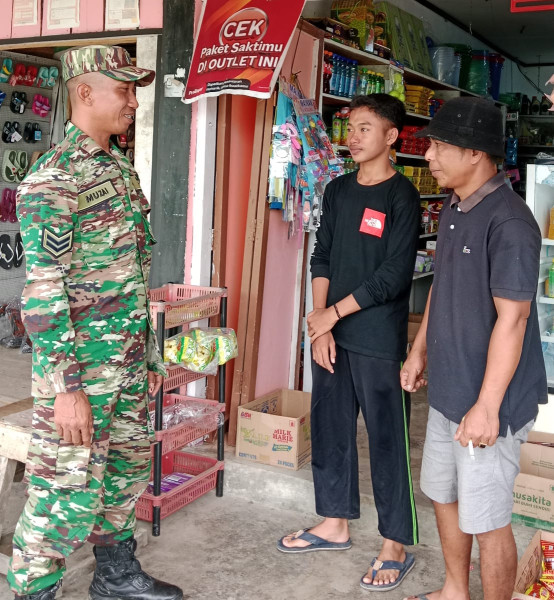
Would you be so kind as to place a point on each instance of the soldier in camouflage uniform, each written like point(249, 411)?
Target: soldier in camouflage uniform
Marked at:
point(88, 243)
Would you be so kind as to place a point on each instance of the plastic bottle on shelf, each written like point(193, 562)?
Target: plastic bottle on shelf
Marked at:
point(350, 79)
point(345, 114)
point(334, 73)
point(362, 82)
point(551, 225)
point(535, 106)
point(353, 78)
point(551, 280)
point(525, 105)
point(326, 73)
point(545, 105)
point(339, 90)
point(336, 130)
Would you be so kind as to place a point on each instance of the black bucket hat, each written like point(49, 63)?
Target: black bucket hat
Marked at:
point(468, 122)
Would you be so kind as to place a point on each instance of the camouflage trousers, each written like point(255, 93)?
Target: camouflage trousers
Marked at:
point(78, 494)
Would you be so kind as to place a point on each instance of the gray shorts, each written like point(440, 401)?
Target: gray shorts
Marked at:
point(482, 486)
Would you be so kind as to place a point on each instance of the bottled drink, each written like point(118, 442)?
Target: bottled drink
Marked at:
point(525, 105)
point(334, 81)
point(551, 280)
point(545, 105)
point(362, 82)
point(551, 225)
point(341, 77)
point(535, 106)
point(337, 129)
point(353, 78)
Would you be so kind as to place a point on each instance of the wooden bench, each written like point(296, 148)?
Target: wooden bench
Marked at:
point(15, 436)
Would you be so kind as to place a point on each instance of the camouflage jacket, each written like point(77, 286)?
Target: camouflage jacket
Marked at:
point(87, 245)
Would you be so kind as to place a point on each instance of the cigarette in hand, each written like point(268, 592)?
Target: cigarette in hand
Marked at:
point(471, 451)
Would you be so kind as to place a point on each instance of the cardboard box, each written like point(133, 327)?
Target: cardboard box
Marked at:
point(275, 429)
point(534, 486)
point(398, 41)
point(414, 323)
point(529, 566)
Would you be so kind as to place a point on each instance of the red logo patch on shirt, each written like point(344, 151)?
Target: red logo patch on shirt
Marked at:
point(373, 222)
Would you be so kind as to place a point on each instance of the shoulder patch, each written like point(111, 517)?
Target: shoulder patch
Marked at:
point(95, 195)
point(57, 245)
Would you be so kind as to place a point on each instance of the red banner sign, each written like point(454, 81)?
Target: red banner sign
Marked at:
point(531, 5)
point(240, 47)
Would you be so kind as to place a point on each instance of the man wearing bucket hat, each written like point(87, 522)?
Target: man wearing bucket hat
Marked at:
point(480, 338)
point(88, 246)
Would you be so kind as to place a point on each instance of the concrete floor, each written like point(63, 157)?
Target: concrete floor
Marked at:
point(224, 548)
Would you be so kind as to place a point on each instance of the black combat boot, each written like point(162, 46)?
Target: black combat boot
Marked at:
point(118, 576)
point(48, 593)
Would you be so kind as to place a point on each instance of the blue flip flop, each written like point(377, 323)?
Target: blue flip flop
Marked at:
point(316, 543)
point(403, 567)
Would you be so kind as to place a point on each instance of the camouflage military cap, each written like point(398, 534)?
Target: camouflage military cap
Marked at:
point(112, 61)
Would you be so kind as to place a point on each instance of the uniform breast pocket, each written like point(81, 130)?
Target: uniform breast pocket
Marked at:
point(106, 235)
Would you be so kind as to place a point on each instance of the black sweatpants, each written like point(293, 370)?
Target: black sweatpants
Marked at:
point(372, 384)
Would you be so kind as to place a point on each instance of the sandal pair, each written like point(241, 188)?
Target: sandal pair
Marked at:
point(14, 167)
point(46, 77)
point(8, 256)
point(18, 102)
point(32, 133)
point(7, 206)
point(41, 106)
point(11, 132)
point(6, 70)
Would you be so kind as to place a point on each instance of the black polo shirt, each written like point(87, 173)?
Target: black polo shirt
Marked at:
point(488, 246)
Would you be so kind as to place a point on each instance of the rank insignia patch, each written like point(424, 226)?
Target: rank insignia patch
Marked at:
point(57, 245)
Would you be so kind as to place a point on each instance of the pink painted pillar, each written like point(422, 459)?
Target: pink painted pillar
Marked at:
point(6, 21)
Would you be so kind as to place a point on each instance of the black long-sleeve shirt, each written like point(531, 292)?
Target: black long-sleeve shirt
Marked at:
point(366, 246)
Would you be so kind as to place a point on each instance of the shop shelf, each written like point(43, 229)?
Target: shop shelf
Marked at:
point(546, 300)
point(424, 196)
point(178, 376)
point(420, 275)
point(413, 156)
point(335, 100)
point(418, 116)
point(427, 235)
point(182, 434)
point(364, 58)
point(205, 472)
point(184, 303)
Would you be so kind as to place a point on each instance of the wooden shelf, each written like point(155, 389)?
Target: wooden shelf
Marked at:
point(335, 100)
point(362, 57)
point(418, 116)
point(550, 116)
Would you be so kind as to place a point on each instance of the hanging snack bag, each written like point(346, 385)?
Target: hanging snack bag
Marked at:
point(226, 345)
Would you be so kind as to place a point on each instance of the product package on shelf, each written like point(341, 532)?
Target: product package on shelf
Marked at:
point(201, 350)
point(360, 15)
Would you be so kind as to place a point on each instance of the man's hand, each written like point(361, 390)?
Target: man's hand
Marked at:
point(155, 381)
point(324, 351)
point(480, 425)
point(73, 418)
point(411, 374)
point(320, 322)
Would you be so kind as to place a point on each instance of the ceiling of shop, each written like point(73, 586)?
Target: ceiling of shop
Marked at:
point(526, 36)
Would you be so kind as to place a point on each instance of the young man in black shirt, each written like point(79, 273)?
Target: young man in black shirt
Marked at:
point(362, 268)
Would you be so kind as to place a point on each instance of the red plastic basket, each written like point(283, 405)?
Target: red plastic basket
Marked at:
point(178, 376)
point(184, 303)
point(205, 471)
point(182, 434)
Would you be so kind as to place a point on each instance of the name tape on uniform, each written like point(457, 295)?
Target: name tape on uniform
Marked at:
point(95, 195)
